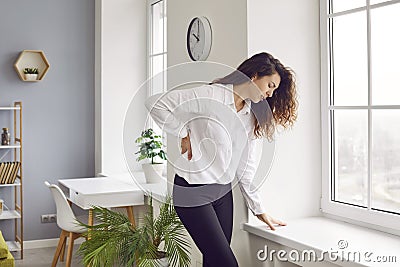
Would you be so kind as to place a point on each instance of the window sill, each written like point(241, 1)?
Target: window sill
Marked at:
point(323, 234)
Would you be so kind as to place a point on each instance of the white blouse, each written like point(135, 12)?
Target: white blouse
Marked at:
point(222, 139)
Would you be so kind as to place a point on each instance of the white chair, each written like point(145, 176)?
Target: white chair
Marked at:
point(66, 220)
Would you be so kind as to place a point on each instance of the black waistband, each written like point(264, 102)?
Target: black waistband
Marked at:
point(182, 182)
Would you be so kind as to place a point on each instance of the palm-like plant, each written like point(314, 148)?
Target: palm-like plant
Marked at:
point(116, 241)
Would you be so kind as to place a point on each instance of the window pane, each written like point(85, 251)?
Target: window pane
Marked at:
point(386, 160)
point(351, 157)
point(342, 5)
point(157, 66)
point(350, 69)
point(385, 54)
point(157, 27)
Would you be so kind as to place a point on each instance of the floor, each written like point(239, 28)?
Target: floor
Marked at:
point(43, 257)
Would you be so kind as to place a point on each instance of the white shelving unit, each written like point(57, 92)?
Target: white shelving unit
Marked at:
point(10, 146)
point(16, 183)
point(10, 214)
point(10, 108)
point(14, 246)
point(14, 211)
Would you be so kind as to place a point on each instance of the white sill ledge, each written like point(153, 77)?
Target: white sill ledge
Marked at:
point(323, 234)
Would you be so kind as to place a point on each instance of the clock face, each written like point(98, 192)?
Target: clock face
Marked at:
point(199, 38)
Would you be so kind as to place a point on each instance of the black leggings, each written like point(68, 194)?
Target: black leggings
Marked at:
point(206, 211)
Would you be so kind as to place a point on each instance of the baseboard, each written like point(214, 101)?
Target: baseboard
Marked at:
point(45, 243)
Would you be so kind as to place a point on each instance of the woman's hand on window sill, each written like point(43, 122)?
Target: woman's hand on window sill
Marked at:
point(264, 217)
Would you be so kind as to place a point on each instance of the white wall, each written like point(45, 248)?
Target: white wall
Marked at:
point(122, 30)
point(289, 30)
point(228, 22)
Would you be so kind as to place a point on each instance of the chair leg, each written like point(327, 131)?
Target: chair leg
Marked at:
point(70, 248)
point(63, 250)
point(63, 237)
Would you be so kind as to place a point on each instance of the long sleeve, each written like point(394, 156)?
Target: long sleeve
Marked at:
point(170, 110)
point(245, 173)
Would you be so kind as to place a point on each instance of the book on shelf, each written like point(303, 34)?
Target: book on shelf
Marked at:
point(3, 173)
point(8, 174)
point(4, 177)
point(9, 171)
point(1, 169)
point(17, 165)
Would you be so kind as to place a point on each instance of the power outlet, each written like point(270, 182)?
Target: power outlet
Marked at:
point(53, 218)
point(49, 218)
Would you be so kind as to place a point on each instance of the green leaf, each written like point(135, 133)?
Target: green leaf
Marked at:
point(149, 144)
point(116, 242)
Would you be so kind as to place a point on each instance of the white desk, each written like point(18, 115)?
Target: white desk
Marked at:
point(108, 192)
point(102, 191)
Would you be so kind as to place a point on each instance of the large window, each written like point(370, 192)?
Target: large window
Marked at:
point(360, 105)
point(157, 50)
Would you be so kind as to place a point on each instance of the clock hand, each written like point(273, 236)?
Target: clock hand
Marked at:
point(197, 38)
point(198, 27)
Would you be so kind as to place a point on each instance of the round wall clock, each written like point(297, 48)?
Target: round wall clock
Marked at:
point(199, 38)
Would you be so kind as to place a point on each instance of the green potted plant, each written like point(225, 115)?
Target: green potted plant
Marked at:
point(31, 74)
point(114, 241)
point(150, 147)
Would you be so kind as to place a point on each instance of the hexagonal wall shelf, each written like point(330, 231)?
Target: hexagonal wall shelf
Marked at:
point(32, 59)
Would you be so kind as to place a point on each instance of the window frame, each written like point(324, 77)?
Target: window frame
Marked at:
point(384, 221)
point(150, 54)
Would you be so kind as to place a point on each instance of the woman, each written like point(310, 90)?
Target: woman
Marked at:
point(220, 126)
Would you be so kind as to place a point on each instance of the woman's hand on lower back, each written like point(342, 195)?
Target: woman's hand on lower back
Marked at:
point(186, 146)
point(264, 217)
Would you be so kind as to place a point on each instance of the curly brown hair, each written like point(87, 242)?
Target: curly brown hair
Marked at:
point(282, 105)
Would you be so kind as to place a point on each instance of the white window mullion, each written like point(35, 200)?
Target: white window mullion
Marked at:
point(369, 147)
point(358, 9)
point(335, 156)
point(351, 11)
point(165, 45)
point(331, 132)
point(387, 3)
point(158, 54)
point(365, 107)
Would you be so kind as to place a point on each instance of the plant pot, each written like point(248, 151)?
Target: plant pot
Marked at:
point(153, 172)
point(31, 77)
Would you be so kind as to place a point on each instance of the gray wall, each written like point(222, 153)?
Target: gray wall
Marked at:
point(58, 112)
